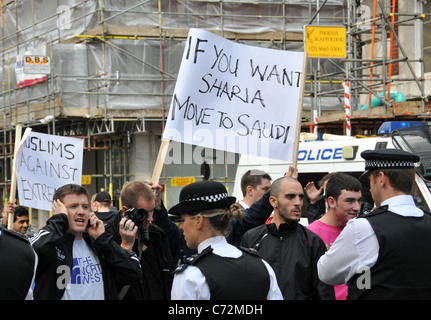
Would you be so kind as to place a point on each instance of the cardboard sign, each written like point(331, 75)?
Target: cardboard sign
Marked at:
point(43, 164)
point(237, 98)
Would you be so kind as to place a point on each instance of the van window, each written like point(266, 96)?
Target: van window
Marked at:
point(381, 145)
point(419, 197)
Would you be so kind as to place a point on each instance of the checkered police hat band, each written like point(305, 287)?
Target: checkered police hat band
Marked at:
point(210, 198)
point(382, 164)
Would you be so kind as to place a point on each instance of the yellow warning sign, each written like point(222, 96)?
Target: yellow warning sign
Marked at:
point(325, 42)
point(182, 181)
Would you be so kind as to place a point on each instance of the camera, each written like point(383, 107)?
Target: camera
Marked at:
point(138, 216)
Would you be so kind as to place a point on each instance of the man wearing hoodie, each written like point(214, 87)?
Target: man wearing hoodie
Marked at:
point(103, 209)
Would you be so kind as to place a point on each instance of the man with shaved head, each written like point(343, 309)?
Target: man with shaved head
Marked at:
point(291, 249)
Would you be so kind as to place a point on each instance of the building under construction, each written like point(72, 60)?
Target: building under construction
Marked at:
point(113, 69)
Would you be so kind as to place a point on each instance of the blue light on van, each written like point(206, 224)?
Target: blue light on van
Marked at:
point(389, 126)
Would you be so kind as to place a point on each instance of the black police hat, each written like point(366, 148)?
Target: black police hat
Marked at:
point(388, 159)
point(200, 196)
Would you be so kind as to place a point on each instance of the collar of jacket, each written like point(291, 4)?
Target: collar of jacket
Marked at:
point(283, 230)
point(69, 238)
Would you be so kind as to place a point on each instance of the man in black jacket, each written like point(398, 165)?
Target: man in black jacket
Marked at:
point(103, 209)
point(150, 244)
point(78, 260)
point(291, 249)
point(254, 184)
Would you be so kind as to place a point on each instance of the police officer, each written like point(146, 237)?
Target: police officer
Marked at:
point(219, 270)
point(18, 263)
point(385, 254)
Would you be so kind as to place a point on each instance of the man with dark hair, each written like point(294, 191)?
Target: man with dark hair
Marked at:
point(316, 198)
point(384, 254)
point(21, 218)
point(254, 184)
point(290, 249)
point(343, 196)
point(78, 260)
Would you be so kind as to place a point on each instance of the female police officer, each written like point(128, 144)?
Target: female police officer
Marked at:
point(219, 270)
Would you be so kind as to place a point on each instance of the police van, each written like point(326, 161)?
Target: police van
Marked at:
point(335, 153)
point(316, 159)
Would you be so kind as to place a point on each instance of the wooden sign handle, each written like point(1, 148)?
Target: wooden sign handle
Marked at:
point(159, 162)
point(18, 132)
point(299, 118)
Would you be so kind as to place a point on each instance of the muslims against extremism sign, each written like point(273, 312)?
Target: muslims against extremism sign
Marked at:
point(235, 97)
point(43, 164)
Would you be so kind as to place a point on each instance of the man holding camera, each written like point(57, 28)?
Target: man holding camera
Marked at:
point(148, 241)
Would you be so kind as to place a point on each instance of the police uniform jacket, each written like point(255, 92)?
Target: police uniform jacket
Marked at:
point(359, 246)
point(190, 282)
point(18, 263)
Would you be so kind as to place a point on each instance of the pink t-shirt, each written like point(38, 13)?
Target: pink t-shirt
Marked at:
point(328, 234)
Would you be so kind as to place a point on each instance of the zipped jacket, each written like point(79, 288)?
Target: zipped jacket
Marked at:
point(54, 249)
point(293, 252)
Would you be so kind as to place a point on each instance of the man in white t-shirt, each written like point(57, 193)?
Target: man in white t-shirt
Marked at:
point(78, 259)
point(86, 281)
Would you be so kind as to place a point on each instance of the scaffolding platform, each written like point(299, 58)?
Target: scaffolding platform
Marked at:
point(140, 33)
point(370, 119)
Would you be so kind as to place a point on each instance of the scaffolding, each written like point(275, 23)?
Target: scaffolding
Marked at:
point(114, 65)
point(382, 38)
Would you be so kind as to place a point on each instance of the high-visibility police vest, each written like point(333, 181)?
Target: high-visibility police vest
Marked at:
point(404, 262)
point(243, 278)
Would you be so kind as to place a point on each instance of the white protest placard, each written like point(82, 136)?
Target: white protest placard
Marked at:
point(236, 97)
point(43, 164)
